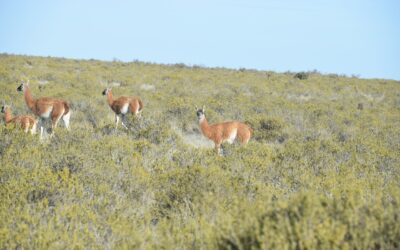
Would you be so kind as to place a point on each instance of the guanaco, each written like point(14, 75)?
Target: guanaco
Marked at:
point(123, 105)
point(223, 132)
point(46, 108)
point(26, 122)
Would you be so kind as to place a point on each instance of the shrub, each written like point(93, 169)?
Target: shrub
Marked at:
point(268, 129)
point(320, 173)
point(301, 75)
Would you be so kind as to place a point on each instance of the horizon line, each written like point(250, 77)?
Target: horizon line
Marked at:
point(190, 65)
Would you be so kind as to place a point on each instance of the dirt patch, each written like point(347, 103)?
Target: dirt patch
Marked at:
point(299, 97)
point(196, 140)
point(147, 87)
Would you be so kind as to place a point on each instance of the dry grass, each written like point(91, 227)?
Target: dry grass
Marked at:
point(322, 170)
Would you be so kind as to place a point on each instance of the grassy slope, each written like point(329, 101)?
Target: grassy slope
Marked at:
point(322, 171)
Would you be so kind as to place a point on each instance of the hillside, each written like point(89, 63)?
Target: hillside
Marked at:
point(322, 170)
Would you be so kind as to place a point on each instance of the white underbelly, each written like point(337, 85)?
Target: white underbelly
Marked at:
point(232, 136)
point(125, 108)
point(47, 113)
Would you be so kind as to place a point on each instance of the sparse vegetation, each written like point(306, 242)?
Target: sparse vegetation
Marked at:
point(322, 170)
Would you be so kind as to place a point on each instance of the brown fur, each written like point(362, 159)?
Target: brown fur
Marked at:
point(26, 122)
point(135, 105)
point(225, 131)
point(47, 107)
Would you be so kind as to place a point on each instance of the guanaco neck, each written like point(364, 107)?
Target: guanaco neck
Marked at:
point(29, 99)
point(110, 98)
point(7, 115)
point(205, 128)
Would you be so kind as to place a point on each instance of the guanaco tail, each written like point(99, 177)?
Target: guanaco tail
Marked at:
point(123, 105)
point(223, 132)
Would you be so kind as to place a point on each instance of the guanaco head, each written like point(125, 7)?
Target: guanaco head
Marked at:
point(106, 91)
point(200, 113)
point(4, 108)
point(23, 86)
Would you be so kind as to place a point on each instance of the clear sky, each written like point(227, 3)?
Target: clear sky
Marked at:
point(360, 37)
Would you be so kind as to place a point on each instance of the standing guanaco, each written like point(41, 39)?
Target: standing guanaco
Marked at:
point(123, 105)
point(26, 122)
point(223, 132)
point(46, 108)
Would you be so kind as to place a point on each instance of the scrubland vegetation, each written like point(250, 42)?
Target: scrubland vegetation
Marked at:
point(321, 172)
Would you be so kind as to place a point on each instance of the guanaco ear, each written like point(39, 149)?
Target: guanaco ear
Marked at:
point(204, 108)
point(196, 108)
point(25, 82)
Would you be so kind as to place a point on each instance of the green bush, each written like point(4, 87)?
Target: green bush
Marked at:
point(320, 172)
point(301, 75)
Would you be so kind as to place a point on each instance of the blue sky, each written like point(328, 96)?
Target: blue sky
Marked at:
point(360, 37)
